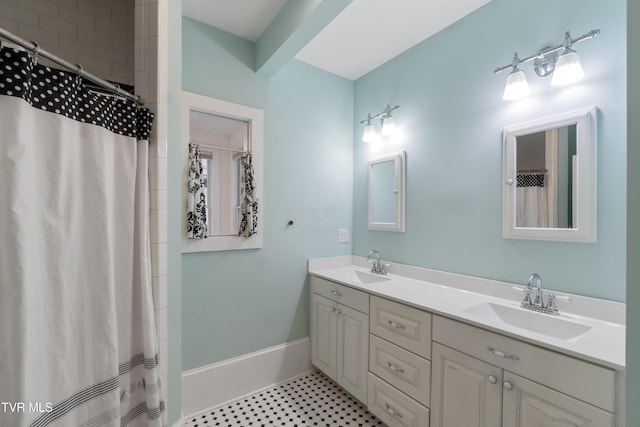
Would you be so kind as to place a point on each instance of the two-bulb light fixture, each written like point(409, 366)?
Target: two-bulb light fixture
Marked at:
point(566, 67)
point(388, 125)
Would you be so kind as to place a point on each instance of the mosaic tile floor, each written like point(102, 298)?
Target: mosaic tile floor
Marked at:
point(310, 400)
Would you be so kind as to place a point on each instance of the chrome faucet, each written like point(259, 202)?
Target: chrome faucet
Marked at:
point(538, 303)
point(377, 265)
point(535, 278)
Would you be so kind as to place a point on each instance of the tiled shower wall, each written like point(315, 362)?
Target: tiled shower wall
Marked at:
point(151, 67)
point(98, 34)
point(104, 36)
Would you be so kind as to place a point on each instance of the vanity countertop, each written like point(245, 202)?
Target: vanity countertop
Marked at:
point(463, 298)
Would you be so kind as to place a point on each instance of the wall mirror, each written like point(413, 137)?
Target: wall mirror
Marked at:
point(224, 132)
point(386, 192)
point(549, 178)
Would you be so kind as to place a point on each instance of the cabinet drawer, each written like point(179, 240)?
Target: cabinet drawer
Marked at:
point(405, 326)
point(400, 368)
point(343, 294)
point(393, 407)
point(588, 382)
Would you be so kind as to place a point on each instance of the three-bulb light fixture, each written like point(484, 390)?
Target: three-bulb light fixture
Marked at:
point(566, 67)
point(388, 125)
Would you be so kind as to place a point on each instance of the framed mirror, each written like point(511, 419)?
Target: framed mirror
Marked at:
point(223, 132)
point(386, 192)
point(549, 178)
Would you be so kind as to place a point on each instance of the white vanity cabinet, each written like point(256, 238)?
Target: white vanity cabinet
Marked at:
point(399, 363)
point(481, 378)
point(340, 334)
point(402, 354)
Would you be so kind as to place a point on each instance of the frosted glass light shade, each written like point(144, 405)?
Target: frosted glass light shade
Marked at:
point(568, 69)
point(388, 126)
point(517, 86)
point(369, 134)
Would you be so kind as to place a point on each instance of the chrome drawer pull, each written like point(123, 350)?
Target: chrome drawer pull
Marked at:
point(503, 354)
point(396, 325)
point(393, 368)
point(336, 293)
point(392, 411)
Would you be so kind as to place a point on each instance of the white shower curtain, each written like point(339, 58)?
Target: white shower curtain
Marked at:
point(531, 201)
point(77, 336)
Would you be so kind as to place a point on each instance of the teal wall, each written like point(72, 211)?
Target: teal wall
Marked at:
point(633, 215)
point(451, 114)
point(237, 302)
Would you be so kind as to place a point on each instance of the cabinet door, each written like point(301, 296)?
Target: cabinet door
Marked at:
point(353, 351)
point(465, 392)
point(324, 321)
point(528, 404)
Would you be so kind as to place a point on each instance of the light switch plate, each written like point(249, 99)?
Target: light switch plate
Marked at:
point(343, 235)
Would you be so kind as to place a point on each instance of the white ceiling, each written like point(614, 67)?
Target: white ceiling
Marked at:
point(364, 36)
point(244, 18)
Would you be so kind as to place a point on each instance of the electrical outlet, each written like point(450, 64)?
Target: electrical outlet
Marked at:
point(343, 235)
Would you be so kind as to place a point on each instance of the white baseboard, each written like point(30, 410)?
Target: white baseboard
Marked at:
point(230, 379)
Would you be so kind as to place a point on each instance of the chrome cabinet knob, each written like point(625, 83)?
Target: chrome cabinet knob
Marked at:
point(508, 385)
point(492, 379)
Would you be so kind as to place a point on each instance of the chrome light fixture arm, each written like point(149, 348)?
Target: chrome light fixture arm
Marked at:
point(549, 51)
point(383, 115)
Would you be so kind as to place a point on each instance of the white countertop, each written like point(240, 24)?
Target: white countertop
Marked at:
point(451, 295)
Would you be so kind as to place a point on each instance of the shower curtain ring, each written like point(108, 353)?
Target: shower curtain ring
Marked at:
point(79, 73)
point(36, 50)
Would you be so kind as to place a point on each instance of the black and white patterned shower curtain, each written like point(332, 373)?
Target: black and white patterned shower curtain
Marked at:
point(79, 346)
point(531, 200)
point(196, 196)
point(248, 198)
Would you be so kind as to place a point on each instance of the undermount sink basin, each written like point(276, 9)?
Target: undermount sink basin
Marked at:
point(545, 324)
point(364, 278)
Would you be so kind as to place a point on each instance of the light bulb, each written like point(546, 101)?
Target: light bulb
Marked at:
point(517, 86)
point(568, 69)
point(369, 135)
point(388, 126)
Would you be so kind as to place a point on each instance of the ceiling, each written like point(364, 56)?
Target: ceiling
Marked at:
point(365, 35)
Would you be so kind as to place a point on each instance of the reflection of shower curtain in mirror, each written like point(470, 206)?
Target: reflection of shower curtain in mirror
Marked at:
point(537, 193)
point(531, 201)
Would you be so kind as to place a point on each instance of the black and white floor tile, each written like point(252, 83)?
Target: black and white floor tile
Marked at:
point(307, 401)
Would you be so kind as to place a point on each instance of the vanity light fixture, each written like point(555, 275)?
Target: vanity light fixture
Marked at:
point(388, 125)
point(369, 135)
point(566, 68)
point(517, 86)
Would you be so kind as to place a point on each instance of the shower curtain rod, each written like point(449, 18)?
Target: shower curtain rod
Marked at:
point(525, 171)
point(230, 150)
point(34, 48)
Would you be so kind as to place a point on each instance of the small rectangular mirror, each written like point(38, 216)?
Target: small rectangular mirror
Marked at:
point(222, 141)
point(224, 132)
point(550, 178)
point(386, 192)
